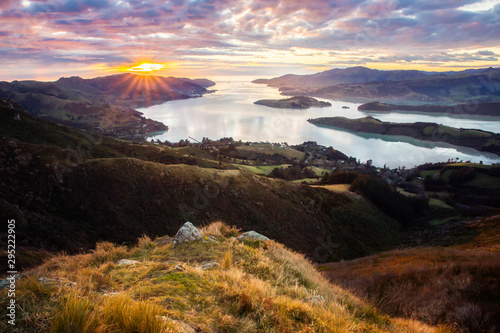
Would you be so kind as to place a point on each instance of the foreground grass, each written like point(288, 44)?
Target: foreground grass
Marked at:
point(457, 285)
point(251, 287)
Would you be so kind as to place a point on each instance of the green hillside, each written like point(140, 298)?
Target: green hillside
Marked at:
point(70, 189)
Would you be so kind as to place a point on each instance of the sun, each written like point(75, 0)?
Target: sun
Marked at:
point(146, 67)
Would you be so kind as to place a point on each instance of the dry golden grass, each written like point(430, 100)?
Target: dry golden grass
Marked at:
point(259, 287)
point(456, 286)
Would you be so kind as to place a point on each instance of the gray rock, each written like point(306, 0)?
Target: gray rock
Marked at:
point(5, 283)
point(252, 235)
point(179, 268)
point(209, 265)
point(127, 262)
point(315, 300)
point(180, 325)
point(187, 233)
point(57, 281)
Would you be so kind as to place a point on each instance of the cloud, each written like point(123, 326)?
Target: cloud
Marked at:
point(386, 30)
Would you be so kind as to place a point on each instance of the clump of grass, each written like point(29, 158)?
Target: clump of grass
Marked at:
point(77, 315)
point(35, 290)
point(219, 229)
point(143, 248)
point(123, 314)
point(106, 251)
point(227, 262)
point(146, 243)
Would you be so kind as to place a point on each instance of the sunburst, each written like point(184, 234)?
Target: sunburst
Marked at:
point(146, 67)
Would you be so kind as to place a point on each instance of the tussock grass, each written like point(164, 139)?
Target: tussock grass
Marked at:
point(77, 316)
point(219, 229)
point(123, 314)
point(259, 287)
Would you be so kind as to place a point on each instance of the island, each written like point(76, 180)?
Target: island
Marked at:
point(486, 109)
point(477, 139)
point(295, 102)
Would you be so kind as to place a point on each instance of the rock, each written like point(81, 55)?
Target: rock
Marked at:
point(318, 299)
point(179, 268)
point(56, 280)
point(127, 262)
point(5, 283)
point(111, 293)
point(209, 265)
point(180, 325)
point(187, 233)
point(252, 235)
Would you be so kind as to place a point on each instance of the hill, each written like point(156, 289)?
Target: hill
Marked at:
point(477, 139)
point(296, 102)
point(363, 84)
point(70, 189)
point(340, 76)
point(103, 104)
point(450, 279)
point(214, 284)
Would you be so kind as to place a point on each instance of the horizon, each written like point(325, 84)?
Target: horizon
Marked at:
point(216, 78)
point(44, 40)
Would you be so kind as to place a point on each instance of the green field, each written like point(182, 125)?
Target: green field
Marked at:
point(432, 201)
point(269, 149)
point(482, 180)
point(260, 170)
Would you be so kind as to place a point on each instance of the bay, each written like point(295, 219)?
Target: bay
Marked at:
point(230, 112)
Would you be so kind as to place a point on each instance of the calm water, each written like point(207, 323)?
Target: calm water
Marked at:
point(230, 112)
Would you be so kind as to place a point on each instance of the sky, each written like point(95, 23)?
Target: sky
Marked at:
point(48, 39)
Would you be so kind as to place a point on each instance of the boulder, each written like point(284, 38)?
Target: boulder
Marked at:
point(252, 235)
point(187, 233)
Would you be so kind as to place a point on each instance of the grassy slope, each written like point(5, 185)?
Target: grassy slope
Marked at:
point(456, 284)
point(69, 190)
point(258, 287)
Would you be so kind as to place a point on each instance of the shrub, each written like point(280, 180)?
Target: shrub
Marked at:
point(341, 178)
point(402, 208)
point(462, 175)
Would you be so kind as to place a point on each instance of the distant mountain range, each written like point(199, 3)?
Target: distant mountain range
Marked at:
point(364, 84)
point(103, 103)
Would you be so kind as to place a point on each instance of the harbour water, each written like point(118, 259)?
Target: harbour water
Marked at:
point(230, 112)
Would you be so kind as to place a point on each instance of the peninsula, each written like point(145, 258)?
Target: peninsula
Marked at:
point(477, 139)
point(295, 102)
point(485, 109)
